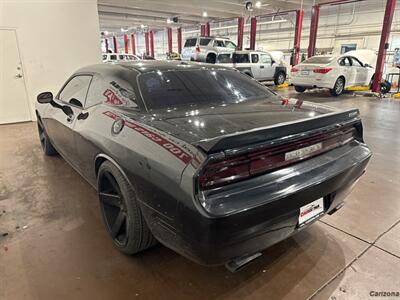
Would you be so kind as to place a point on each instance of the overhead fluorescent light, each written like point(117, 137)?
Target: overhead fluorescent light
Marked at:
point(205, 14)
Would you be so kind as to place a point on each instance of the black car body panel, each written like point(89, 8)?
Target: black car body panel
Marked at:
point(163, 151)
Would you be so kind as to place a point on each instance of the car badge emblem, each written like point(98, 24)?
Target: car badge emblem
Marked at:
point(117, 126)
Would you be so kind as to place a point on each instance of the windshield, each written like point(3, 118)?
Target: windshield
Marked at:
point(240, 58)
point(190, 42)
point(318, 60)
point(198, 87)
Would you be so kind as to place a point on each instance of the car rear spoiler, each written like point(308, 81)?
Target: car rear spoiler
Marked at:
point(286, 131)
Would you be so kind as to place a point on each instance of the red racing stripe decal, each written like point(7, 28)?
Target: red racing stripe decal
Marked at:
point(154, 137)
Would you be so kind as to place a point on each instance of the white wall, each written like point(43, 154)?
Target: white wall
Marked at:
point(55, 39)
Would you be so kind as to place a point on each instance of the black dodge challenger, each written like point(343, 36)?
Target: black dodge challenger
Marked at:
point(201, 158)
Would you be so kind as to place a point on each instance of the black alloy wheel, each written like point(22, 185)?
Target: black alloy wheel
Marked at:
point(121, 212)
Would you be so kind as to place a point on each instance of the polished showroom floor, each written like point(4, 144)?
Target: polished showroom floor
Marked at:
point(57, 248)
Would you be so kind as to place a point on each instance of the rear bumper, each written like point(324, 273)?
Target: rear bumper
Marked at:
point(216, 240)
point(311, 82)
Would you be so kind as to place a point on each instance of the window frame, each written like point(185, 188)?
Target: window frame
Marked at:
point(67, 82)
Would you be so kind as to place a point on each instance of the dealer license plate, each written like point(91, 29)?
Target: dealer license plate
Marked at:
point(311, 211)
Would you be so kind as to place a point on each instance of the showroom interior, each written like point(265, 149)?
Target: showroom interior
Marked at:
point(319, 61)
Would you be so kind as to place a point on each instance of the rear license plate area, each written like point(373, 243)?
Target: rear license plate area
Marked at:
point(311, 212)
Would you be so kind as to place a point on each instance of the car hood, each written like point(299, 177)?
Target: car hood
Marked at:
point(202, 123)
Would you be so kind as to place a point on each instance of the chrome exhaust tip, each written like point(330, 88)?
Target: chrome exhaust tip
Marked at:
point(239, 262)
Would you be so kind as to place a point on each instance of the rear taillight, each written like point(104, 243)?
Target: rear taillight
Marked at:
point(226, 171)
point(294, 70)
point(322, 70)
point(197, 49)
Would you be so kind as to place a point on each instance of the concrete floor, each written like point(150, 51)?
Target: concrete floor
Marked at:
point(57, 247)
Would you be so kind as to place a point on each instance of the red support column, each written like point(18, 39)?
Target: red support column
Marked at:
point(179, 33)
point(126, 43)
point(387, 24)
point(240, 33)
point(313, 30)
point(297, 34)
point(115, 44)
point(146, 39)
point(202, 30)
point(253, 29)
point(152, 43)
point(107, 47)
point(207, 29)
point(169, 32)
point(133, 43)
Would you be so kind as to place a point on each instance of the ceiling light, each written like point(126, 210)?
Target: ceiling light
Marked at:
point(122, 29)
point(249, 6)
point(141, 26)
point(169, 21)
point(105, 32)
point(258, 4)
point(205, 14)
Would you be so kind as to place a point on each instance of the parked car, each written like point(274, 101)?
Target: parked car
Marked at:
point(115, 57)
point(333, 72)
point(257, 64)
point(201, 157)
point(206, 49)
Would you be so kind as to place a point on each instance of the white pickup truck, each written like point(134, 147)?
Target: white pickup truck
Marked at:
point(257, 64)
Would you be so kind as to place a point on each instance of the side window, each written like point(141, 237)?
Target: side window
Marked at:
point(254, 58)
point(95, 92)
point(219, 43)
point(204, 42)
point(356, 62)
point(75, 91)
point(266, 59)
point(345, 61)
point(120, 57)
point(113, 57)
point(229, 44)
point(118, 90)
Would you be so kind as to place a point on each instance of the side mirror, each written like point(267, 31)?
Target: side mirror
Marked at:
point(272, 62)
point(76, 102)
point(44, 98)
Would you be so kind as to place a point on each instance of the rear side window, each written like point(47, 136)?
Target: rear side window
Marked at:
point(240, 58)
point(113, 57)
point(118, 90)
point(190, 42)
point(94, 95)
point(229, 44)
point(74, 92)
point(345, 61)
point(204, 42)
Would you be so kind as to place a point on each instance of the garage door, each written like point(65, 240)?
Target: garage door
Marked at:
point(14, 105)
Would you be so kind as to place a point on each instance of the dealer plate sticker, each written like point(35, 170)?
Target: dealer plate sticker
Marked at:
point(303, 152)
point(305, 72)
point(311, 211)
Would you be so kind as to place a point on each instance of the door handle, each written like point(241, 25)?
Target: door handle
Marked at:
point(18, 75)
point(83, 116)
point(261, 67)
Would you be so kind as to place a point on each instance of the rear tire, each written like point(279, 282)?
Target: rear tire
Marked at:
point(121, 213)
point(280, 78)
point(47, 147)
point(338, 88)
point(299, 89)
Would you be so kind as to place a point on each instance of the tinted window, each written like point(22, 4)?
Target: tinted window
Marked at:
point(240, 58)
point(117, 90)
point(218, 43)
point(229, 44)
point(356, 62)
point(177, 88)
point(113, 57)
point(318, 60)
point(224, 58)
point(254, 58)
point(190, 43)
point(121, 56)
point(345, 62)
point(266, 59)
point(75, 89)
point(104, 56)
point(204, 42)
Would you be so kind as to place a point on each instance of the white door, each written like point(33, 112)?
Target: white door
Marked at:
point(269, 69)
point(348, 70)
point(14, 105)
point(361, 72)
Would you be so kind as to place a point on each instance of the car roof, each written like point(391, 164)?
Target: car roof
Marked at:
point(249, 51)
point(148, 66)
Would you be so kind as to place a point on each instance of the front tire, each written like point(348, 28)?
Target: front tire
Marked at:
point(47, 147)
point(211, 58)
point(338, 88)
point(280, 78)
point(299, 89)
point(121, 213)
